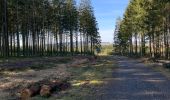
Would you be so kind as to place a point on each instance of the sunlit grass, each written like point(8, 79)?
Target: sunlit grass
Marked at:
point(88, 79)
point(9, 73)
point(106, 50)
point(91, 82)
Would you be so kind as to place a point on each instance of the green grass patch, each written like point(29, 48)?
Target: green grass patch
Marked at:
point(106, 50)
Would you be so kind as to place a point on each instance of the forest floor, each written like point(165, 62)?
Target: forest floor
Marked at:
point(85, 75)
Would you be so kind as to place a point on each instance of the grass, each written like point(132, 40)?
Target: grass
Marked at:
point(86, 80)
point(106, 50)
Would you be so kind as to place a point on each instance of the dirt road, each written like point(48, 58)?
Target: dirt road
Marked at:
point(136, 81)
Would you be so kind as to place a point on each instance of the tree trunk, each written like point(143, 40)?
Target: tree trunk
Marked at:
point(136, 43)
point(5, 30)
point(76, 42)
point(71, 42)
point(61, 42)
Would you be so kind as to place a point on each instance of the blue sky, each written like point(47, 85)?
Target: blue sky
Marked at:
point(106, 12)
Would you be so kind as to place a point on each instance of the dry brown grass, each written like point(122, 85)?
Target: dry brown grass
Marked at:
point(84, 75)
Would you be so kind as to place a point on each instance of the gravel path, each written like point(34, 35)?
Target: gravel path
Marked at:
point(135, 81)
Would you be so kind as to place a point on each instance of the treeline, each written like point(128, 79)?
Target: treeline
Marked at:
point(144, 29)
point(47, 27)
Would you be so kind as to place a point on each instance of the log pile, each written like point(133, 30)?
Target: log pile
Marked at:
point(44, 88)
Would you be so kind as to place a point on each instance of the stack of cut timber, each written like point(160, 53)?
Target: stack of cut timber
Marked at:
point(44, 88)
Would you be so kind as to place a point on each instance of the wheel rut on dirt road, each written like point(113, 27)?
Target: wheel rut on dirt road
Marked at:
point(134, 80)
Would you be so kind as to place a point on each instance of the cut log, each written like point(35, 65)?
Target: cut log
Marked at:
point(47, 89)
point(30, 91)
